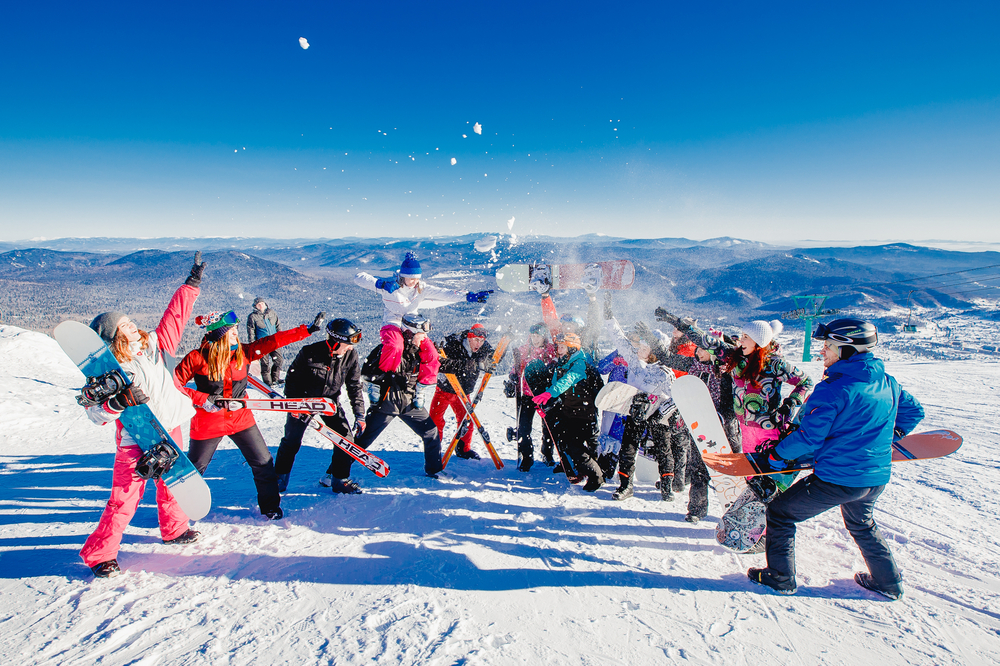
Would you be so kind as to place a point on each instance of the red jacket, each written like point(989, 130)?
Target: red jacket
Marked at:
point(208, 425)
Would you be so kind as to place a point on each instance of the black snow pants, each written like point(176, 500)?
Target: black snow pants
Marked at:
point(658, 443)
point(292, 441)
point(525, 422)
point(251, 444)
point(270, 367)
point(576, 434)
point(809, 498)
point(697, 474)
point(417, 420)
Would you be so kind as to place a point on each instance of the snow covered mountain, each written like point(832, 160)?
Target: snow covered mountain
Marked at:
point(485, 567)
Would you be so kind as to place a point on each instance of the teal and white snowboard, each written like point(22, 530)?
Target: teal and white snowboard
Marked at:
point(87, 350)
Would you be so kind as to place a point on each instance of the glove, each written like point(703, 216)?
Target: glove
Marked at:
point(784, 412)
point(197, 271)
point(542, 398)
point(642, 330)
point(478, 296)
point(605, 445)
point(359, 427)
point(209, 404)
point(422, 397)
point(388, 285)
point(374, 393)
point(317, 324)
point(607, 306)
point(663, 315)
point(897, 434)
point(130, 396)
point(620, 361)
point(510, 387)
point(777, 462)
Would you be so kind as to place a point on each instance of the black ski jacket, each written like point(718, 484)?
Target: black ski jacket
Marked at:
point(462, 363)
point(319, 373)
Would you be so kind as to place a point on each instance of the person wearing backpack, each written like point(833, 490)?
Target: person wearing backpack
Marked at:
point(575, 383)
point(395, 390)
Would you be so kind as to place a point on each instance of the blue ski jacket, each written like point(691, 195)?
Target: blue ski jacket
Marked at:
point(848, 423)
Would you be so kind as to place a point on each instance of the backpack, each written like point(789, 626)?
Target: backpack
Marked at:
point(370, 371)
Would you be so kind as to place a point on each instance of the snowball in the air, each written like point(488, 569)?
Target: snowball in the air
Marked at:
point(486, 244)
point(303, 42)
point(477, 128)
point(454, 161)
point(510, 224)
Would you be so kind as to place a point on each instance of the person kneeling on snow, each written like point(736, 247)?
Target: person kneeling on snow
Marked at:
point(141, 356)
point(320, 371)
point(573, 418)
point(848, 426)
point(466, 354)
point(396, 389)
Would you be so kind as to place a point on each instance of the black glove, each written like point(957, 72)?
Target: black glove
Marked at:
point(197, 271)
point(663, 315)
point(130, 396)
point(317, 324)
point(510, 387)
point(607, 306)
point(784, 412)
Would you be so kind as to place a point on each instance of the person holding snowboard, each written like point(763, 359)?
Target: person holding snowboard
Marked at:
point(219, 369)
point(141, 355)
point(261, 323)
point(395, 390)
point(758, 372)
point(321, 370)
point(537, 347)
point(574, 415)
point(464, 355)
point(405, 293)
point(848, 426)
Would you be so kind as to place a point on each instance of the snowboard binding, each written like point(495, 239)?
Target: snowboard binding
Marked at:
point(156, 461)
point(511, 433)
point(763, 487)
point(102, 388)
point(541, 279)
point(593, 274)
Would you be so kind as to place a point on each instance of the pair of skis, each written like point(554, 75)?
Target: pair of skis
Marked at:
point(371, 461)
point(470, 414)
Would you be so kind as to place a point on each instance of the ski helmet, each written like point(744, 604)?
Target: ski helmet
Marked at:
point(540, 329)
point(571, 340)
point(343, 330)
point(414, 323)
point(851, 336)
point(572, 319)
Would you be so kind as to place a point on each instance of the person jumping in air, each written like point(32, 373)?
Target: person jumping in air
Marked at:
point(219, 369)
point(141, 356)
point(405, 293)
point(466, 354)
point(848, 427)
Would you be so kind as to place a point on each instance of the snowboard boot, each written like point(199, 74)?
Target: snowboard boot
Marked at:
point(547, 454)
point(467, 454)
point(107, 569)
point(277, 514)
point(524, 462)
point(625, 490)
point(666, 494)
point(679, 483)
point(188, 537)
point(866, 581)
point(693, 519)
point(595, 477)
point(283, 482)
point(326, 480)
point(767, 578)
point(345, 486)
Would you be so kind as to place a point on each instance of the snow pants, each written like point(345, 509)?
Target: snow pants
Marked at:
point(661, 444)
point(126, 492)
point(270, 367)
point(392, 347)
point(251, 444)
point(697, 474)
point(525, 422)
point(576, 434)
point(442, 401)
point(417, 420)
point(809, 498)
point(292, 440)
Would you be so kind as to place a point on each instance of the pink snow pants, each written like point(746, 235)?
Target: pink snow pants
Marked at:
point(392, 354)
point(126, 491)
point(756, 438)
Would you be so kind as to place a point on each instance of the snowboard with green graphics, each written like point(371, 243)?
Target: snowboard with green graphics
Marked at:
point(96, 361)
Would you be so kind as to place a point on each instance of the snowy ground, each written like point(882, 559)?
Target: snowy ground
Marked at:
point(487, 567)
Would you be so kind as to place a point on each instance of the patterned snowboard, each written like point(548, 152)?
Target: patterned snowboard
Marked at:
point(87, 350)
point(619, 274)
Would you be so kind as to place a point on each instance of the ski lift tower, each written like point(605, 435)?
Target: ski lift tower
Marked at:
point(808, 308)
point(909, 328)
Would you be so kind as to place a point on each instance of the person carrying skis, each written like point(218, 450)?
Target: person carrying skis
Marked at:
point(574, 415)
point(405, 293)
point(261, 323)
point(652, 412)
point(758, 372)
point(465, 355)
point(395, 390)
point(537, 347)
point(141, 356)
point(321, 370)
point(219, 369)
point(848, 426)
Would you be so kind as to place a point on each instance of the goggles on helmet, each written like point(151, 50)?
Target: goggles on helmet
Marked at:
point(416, 324)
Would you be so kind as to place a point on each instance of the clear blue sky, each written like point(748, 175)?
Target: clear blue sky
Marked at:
point(699, 119)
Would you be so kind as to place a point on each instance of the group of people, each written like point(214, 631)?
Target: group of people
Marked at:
point(847, 426)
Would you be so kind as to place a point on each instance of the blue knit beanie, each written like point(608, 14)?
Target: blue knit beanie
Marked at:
point(410, 266)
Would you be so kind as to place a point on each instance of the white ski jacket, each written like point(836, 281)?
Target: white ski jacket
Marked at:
point(408, 300)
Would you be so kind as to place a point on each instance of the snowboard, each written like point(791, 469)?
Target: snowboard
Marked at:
point(617, 397)
point(698, 411)
point(87, 350)
point(920, 446)
point(619, 274)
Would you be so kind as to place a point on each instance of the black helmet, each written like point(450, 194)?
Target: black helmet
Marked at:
point(852, 336)
point(416, 323)
point(343, 330)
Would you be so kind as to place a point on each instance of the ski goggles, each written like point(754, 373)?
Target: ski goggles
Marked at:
point(824, 333)
point(217, 320)
point(417, 326)
point(477, 331)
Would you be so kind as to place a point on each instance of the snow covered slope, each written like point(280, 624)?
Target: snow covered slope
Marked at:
point(487, 567)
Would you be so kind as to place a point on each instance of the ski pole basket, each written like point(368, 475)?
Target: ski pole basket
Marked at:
point(157, 461)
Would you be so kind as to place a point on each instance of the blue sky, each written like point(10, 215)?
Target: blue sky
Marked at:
point(758, 120)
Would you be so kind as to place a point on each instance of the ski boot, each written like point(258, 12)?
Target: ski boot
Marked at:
point(765, 577)
point(326, 480)
point(625, 490)
point(866, 581)
point(107, 569)
point(345, 486)
point(277, 514)
point(467, 454)
point(188, 537)
point(283, 482)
